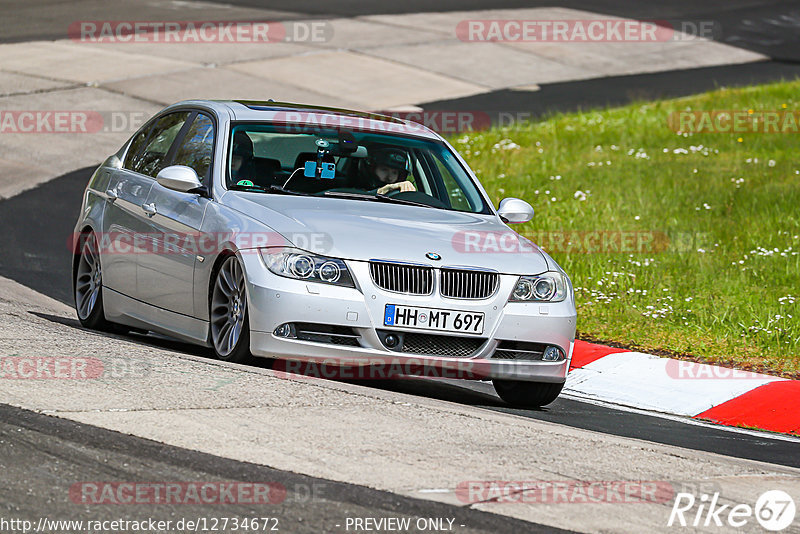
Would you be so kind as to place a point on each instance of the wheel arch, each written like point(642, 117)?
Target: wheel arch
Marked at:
point(218, 261)
point(76, 244)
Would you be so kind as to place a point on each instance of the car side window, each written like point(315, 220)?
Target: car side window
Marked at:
point(136, 147)
point(151, 159)
point(197, 147)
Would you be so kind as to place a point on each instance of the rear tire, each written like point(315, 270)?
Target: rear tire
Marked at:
point(229, 315)
point(88, 285)
point(527, 394)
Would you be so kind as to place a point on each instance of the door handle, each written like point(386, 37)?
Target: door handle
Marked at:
point(149, 209)
point(111, 195)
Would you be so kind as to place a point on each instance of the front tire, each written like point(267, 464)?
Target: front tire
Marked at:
point(229, 317)
point(527, 394)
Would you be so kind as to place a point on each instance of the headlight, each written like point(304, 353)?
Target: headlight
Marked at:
point(301, 265)
point(547, 287)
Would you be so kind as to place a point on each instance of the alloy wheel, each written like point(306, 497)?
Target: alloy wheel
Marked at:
point(228, 307)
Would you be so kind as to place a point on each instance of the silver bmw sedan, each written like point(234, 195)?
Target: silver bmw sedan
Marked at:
point(318, 236)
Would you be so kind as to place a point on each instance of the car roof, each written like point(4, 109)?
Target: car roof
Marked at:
point(272, 111)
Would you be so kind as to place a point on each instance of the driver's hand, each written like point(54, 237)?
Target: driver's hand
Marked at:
point(401, 187)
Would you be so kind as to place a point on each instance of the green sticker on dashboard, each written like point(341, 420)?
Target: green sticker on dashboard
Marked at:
point(246, 183)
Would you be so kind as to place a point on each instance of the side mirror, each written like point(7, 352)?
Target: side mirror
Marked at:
point(514, 210)
point(179, 178)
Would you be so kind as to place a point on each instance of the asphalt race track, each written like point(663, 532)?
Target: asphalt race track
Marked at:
point(35, 444)
point(764, 27)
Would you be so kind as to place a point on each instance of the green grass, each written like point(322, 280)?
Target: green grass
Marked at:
point(726, 221)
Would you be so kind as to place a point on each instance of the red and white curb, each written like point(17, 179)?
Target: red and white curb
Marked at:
point(700, 391)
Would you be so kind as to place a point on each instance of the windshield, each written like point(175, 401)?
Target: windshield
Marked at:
point(357, 165)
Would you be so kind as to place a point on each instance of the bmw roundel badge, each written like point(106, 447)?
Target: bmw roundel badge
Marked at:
point(433, 256)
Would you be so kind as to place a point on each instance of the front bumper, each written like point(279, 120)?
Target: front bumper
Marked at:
point(275, 300)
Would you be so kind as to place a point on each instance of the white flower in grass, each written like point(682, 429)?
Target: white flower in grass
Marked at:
point(505, 144)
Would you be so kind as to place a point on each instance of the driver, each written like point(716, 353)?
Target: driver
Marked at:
point(387, 170)
point(242, 166)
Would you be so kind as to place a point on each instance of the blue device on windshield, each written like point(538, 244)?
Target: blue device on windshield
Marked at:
point(320, 169)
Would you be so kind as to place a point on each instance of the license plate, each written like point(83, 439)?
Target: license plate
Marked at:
point(433, 319)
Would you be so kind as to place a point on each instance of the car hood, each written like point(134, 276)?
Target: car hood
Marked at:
point(366, 230)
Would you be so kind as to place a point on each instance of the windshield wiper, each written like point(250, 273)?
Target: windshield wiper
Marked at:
point(277, 189)
point(250, 188)
point(387, 198)
point(374, 198)
point(345, 194)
